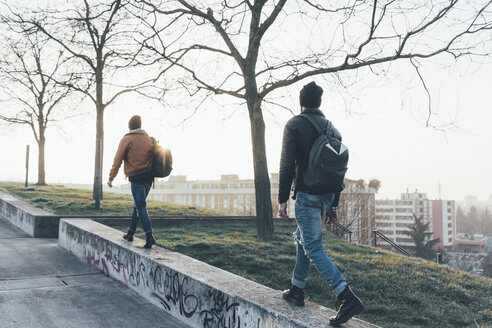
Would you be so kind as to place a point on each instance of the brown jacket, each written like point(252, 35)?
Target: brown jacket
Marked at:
point(136, 149)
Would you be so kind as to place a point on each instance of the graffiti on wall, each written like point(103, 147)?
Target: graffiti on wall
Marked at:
point(172, 290)
point(223, 313)
point(267, 323)
point(169, 288)
point(102, 258)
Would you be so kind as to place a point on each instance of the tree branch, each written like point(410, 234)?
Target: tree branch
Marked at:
point(116, 95)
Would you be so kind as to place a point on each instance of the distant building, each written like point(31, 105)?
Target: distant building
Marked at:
point(233, 196)
point(229, 195)
point(393, 217)
point(470, 243)
point(444, 222)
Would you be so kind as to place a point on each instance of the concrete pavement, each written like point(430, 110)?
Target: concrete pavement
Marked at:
point(42, 285)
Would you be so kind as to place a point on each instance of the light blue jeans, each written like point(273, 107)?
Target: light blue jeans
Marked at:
point(310, 209)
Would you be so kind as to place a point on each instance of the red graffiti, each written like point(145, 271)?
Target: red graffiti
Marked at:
point(94, 257)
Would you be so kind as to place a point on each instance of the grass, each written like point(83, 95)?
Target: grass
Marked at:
point(397, 291)
point(67, 201)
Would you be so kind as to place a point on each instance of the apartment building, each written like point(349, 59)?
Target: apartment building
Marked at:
point(394, 216)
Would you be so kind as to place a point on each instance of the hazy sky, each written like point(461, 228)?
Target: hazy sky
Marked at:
point(381, 118)
point(384, 130)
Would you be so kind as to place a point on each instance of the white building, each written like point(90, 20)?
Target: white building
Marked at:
point(229, 195)
point(394, 216)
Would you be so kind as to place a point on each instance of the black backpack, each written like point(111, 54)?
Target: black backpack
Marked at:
point(328, 160)
point(162, 161)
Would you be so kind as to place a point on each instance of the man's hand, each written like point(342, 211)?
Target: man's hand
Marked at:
point(282, 211)
point(331, 216)
point(110, 184)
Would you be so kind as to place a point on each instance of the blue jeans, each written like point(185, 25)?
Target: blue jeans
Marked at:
point(139, 193)
point(310, 209)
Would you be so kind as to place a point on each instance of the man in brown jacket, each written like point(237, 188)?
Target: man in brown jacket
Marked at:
point(136, 149)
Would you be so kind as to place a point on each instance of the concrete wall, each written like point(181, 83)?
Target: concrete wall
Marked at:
point(194, 292)
point(43, 224)
point(35, 221)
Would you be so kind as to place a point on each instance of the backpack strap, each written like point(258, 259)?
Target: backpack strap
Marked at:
point(329, 125)
point(316, 126)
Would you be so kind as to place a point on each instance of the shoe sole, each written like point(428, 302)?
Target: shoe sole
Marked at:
point(293, 301)
point(146, 246)
point(358, 310)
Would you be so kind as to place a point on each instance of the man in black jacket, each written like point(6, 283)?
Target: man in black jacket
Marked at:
point(311, 208)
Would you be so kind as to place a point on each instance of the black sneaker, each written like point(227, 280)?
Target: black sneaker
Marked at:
point(349, 305)
point(294, 295)
point(129, 235)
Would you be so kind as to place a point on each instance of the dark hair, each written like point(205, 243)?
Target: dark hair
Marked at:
point(135, 122)
point(310, 95)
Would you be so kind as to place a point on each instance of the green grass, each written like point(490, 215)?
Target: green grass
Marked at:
point(67, 201)
point(397, 291)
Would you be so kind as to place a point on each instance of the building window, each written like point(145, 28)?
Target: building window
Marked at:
point(404, 240)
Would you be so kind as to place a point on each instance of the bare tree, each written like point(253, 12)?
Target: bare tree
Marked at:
point(375, 184)
point(28, 73)
point(250, 48)
point(98, 37)
point(361, 184)
point(356, 211)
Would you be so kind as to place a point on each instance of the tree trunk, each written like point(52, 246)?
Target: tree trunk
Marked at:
point(41, 140)
point(99, 133)
point(264, 220)
point(41, 167)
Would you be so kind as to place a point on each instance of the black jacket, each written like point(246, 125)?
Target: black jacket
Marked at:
point(299, 136)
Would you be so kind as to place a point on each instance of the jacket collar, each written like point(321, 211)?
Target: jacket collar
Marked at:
point(315, 111)
point(137, 131)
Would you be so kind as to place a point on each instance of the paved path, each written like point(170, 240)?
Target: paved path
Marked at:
point(42, 285)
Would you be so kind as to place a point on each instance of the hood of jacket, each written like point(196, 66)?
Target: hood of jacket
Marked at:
point(137, 131)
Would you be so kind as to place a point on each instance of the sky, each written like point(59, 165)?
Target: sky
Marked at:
point(384, 130)
point(382, 120)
